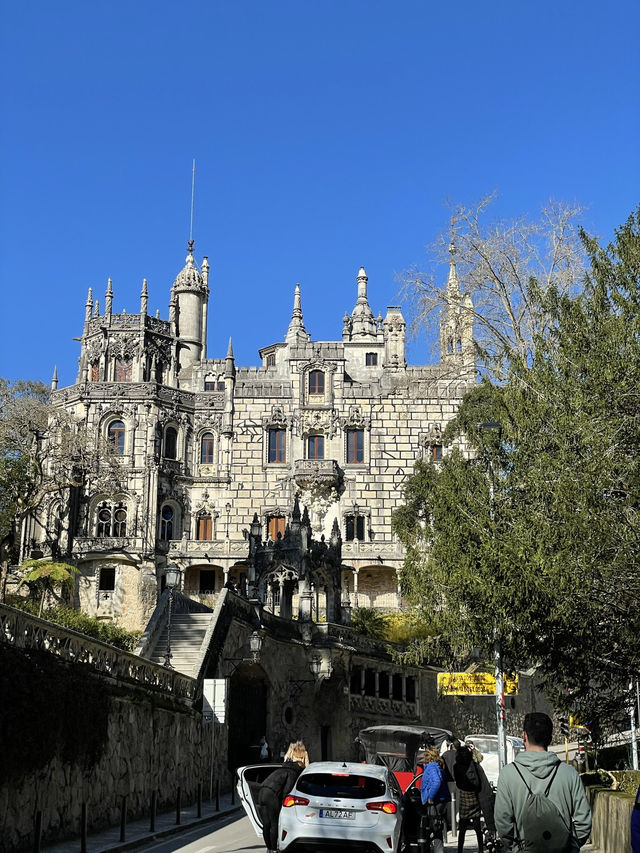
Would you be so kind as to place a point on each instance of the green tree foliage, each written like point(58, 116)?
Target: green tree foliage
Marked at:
point(46, 578)
point(551, 564)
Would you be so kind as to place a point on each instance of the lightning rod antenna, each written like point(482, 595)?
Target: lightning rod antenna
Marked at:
point(193, 186)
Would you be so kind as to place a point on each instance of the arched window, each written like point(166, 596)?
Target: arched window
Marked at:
point(316, 382)
point(171, 443)
point(115, 435)
point(166, 523)
point(111, 520)
point(206, 448)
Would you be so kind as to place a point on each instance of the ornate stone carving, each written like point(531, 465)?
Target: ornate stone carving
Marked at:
point(124, 346)
point(276, 420)
point(355, 419)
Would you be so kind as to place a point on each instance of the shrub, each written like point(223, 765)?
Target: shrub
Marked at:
point(76, 620)
point(370, 622)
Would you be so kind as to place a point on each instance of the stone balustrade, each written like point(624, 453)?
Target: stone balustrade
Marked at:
point(24, 631)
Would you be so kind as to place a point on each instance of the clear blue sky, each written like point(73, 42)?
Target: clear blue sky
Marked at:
point(327, 134)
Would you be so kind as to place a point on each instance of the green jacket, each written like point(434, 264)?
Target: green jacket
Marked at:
point(567, 794)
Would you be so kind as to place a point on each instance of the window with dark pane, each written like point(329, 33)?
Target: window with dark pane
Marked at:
point(315, 447)
point(354, 528)
point(120, 521)
point(166, 523)
point(371, 359)
point(277, 446)
point(355, 445)
point(171, 443)
point(435, 452)
point(115, 435)
point(206, 448)
point(316, 382)
point(107, 579)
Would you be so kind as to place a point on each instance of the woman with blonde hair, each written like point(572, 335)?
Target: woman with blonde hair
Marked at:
point(274, 789)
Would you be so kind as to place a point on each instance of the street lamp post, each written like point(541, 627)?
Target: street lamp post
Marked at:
point(493, 426)
point(172, 579)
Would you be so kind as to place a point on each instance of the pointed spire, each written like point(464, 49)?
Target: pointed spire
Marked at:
point(453, 285)
point(144, 297)
point(96, 308)
point(54, 378)
point(296, 331)
point(295, 514)
point(362, 320)
point(205, 270)
point(88, 308)
point(108, 302)
point(230, 368)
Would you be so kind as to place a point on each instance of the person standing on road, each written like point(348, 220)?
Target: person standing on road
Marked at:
point(539, 772)
point(274, 789)
point(434, 792)
point(468, 781)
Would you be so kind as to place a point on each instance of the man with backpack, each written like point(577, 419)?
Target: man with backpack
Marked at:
point(541, 804)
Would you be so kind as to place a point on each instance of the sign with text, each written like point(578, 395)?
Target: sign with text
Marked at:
point(214, 699)
point(474, 684)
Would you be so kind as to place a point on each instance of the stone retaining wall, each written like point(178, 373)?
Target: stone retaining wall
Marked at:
point(151, 744)
point(611, 821)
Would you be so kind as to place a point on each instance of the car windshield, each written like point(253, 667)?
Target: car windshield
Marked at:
point(352, 786)
point(485, 744)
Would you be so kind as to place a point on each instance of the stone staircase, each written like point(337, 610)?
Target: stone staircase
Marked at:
point(187, 633)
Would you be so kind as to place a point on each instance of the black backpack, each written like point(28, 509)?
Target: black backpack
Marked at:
point(542, 827)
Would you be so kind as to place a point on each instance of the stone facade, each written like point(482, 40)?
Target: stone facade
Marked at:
point(188, 448)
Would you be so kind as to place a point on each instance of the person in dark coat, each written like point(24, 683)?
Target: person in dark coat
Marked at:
point(469, 784)
point(274, 789)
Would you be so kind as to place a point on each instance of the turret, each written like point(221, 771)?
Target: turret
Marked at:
point(54, 379)
point(192, 295)
point(229, 382)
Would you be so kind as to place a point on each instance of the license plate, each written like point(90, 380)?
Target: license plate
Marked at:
point(338, 813)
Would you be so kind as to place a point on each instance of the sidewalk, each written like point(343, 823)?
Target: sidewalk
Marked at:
point(137, 831)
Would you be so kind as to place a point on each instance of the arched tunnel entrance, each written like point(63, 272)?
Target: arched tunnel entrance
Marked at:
point(248, 693)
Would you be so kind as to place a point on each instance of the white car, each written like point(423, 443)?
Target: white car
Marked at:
point(333, 805)
point(487, 745)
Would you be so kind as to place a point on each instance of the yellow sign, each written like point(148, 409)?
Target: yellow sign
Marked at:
point(473, 684)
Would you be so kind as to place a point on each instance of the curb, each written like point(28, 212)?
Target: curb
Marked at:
point(164, 833)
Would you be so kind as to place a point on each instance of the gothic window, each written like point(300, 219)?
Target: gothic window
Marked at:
point(371, 359)
point(111, 520)
point(354, 528)
point(171, 443)
point(277, 451)
point(316, 382)
point(315, 447)
point(276, 524)
point(271, 360)
point(214, 385)
point(94, 375)
point(204, 531)
point(206, 448)
point(107, 579)
point(122, 370)
point(355, 445)
point(115, 435)
point(166, 523)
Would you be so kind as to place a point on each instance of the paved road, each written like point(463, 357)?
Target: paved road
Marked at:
point(236, 835)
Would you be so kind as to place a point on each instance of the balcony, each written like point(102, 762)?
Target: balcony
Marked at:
point(83, 545)
point(311, 473)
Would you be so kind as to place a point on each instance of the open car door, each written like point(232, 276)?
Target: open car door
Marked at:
point(249, 779)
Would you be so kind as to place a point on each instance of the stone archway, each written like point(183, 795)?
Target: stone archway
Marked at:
point(248, 695)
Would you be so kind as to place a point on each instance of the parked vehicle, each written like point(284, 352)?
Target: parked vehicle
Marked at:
point(333, 805)
point(397, 747)
point(487, 745)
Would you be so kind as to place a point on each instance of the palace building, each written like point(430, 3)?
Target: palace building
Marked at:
point(198, 460)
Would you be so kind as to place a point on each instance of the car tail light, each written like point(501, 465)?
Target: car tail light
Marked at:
point(388, 807)
point(294, 801)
